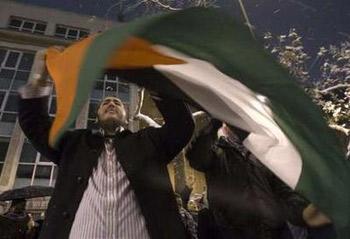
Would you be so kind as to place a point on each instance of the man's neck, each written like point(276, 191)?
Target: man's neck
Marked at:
point(108, 131)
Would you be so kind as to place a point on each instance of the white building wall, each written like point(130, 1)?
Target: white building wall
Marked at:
point(28, 42)
point(50, 16)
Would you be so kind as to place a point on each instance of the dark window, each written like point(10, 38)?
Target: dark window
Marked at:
point(73, 32)
point(111, 77)
point(2, 55)
point(5, 83)
point(2, 96)
point(91, 123)
point(9, 117)
point(99, 85)
point(28, 26)
point(15, 23)
point(26, 61)
point(61, 30)
point(20, 79)
point(93, 108)
point(43, 159)
point(28, 154)
point(124, 89)
point(7, 74)
point(25, 171)
point(11, 104)
point(109, 93)
point(4, 144)
point(43, 172)
point(12, 59)
point(83, 34)
point(22, 75)
point(111, 86)
point(40, 28)
point(98, 90)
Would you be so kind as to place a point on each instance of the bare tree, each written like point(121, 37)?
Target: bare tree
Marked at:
point(331, 89)
point(124, 8)
point(289, 51)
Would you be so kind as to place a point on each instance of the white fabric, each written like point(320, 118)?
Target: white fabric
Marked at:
point(230, 101)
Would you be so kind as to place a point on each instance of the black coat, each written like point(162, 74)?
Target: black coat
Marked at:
point(242, 193)
point(143, 155)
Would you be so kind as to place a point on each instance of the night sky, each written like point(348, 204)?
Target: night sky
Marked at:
point(320, 22)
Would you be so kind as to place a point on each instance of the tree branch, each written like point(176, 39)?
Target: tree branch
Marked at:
point(340, 128)
point(162, 5)
point(333, 88)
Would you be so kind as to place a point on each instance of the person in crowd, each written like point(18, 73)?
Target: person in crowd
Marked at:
point(111, 183)
point(247, 201)
point(19, 223)
point(186, 192)
point(187, 218)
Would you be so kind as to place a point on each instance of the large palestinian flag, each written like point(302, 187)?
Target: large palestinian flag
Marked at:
point(209, 60)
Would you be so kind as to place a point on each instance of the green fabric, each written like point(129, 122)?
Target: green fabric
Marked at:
point(229, 46)
point(211, 36)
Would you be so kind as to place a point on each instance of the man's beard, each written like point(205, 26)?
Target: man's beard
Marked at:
point(111, 125)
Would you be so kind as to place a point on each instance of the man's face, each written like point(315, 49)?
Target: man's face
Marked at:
point(111, 111)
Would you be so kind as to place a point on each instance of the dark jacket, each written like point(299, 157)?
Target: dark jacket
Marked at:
point(143, 155)
point(242, 193)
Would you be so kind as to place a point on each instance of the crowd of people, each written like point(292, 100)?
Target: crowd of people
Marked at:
point(245, 199)
point(18, 223)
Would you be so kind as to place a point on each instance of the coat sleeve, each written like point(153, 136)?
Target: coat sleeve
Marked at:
point(35, 122)
point(291, 202)
point(177, 130)
point(203, 148)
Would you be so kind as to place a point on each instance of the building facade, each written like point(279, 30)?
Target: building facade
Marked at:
point(25, 29)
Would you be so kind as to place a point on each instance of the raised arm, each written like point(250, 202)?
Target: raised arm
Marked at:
point(33, 109)
point(177, 130)
point(203, 149)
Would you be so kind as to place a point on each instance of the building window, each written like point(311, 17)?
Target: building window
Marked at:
point(71, 33)
point(4, 144)
point(108, 85)
point(27, 25)
point(34, 169)
point(15, 68)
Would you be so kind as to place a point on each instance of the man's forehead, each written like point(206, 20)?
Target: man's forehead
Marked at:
point(109, 98)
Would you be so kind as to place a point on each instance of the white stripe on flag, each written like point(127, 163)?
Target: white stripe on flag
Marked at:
point(229, 100)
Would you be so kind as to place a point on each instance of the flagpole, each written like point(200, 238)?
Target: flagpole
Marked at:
point(245, 15)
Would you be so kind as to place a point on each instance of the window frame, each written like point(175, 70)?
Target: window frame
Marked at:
point(67, 36)
point(23, 21)
point(10, 90)
point(104, 81)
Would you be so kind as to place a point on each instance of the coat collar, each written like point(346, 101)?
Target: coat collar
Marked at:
point(97, 136)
